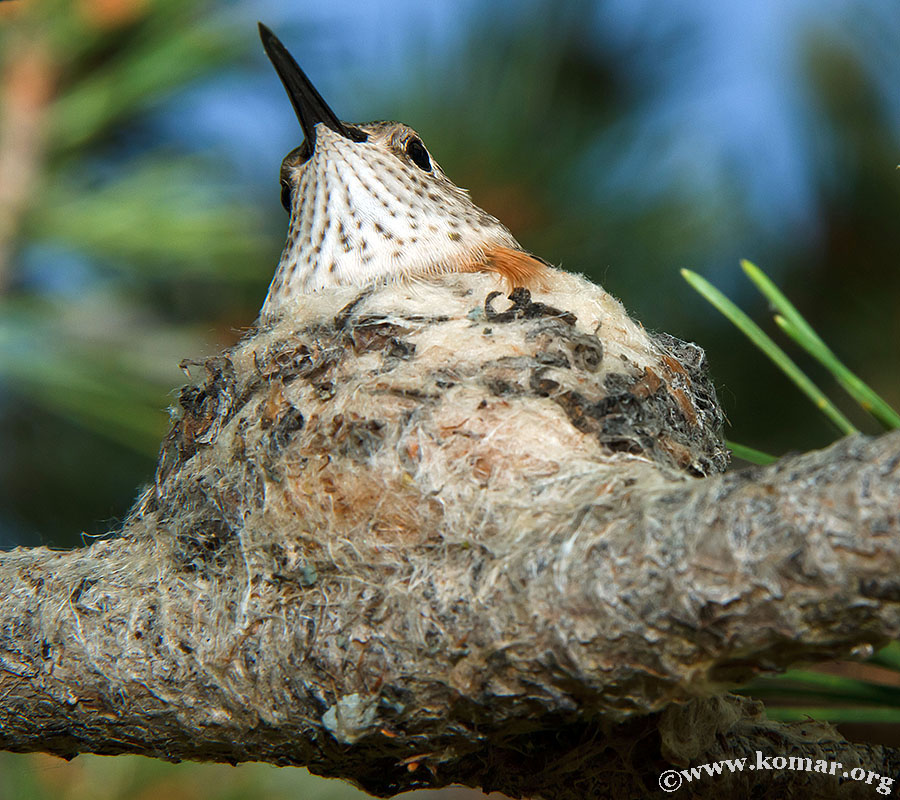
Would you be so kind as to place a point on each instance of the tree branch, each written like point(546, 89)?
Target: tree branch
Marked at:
point(426, 536)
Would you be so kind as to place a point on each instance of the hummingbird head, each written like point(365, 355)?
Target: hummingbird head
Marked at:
point(368, 203)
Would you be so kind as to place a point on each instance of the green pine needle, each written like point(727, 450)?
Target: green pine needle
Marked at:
point(794, 325)
point(765, 343)
point(837, 698)
point(824, 686)
point(888, 656)
point(750, 454)
point(834, 715)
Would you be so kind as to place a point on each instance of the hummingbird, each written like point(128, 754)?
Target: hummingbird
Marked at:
point(368, 203)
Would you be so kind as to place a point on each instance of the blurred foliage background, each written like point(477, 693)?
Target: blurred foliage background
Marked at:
point(140, 220)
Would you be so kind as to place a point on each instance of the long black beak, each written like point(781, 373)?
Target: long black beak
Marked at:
point(311, 109)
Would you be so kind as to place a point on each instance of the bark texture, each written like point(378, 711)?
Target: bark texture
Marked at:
point(425, 535)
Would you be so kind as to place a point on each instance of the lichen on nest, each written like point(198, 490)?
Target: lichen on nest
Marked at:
point(359, 359)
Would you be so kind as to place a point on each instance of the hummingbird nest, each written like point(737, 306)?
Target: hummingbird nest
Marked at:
point(445, 413)
point(443, 418)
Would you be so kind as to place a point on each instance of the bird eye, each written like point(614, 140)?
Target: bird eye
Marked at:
point(418, 154)
point(286, 196)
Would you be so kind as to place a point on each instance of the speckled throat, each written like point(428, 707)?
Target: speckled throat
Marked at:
point(368, 203)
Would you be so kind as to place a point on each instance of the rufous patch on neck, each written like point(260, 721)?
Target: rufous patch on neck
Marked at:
point(516, 267)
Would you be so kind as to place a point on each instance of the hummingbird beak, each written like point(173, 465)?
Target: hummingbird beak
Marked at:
point(311, 109)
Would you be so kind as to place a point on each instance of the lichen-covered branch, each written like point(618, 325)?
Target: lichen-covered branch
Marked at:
point(435, 535)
